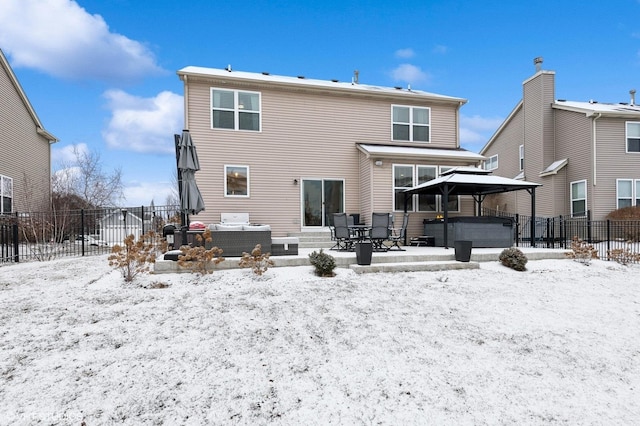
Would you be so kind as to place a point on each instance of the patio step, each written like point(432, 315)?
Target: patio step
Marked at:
point(448, 265)
point(313, 239)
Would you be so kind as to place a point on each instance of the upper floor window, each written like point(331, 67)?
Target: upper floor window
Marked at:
point(579, 198)
point(411, 123)
point(235, 110)
point(491, 163)
point(236, 182)
point(633, 136)
point(628, 193)
point(521, 157)
point(6, 194)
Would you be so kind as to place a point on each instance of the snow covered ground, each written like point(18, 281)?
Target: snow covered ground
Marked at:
point(557, 344)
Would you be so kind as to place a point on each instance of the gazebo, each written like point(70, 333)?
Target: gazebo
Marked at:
point(475, 182)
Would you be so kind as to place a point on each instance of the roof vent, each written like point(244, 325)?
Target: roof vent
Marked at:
point(397, 87)
point(356, 76)
point(335, 80)
point(265, 73)
point(301, 77)
point(228, 68)
point(632, 92)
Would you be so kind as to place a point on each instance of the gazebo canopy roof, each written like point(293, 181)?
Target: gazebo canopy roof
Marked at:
point(470, 181)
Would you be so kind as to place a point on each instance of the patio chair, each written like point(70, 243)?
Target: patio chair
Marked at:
point(332, 228)
point(399, 236)
point(344, 239)
point(379, 232)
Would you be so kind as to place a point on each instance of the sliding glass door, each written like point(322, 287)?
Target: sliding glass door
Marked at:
point(321, 197)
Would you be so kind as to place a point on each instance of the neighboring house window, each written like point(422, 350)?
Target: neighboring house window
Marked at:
point(633, 136)
point(6, 194)
point(407, 176)
point(579, 198)
point(410, 123)
point(491, 163)
point(521, 157)
point(628, 192)
point(236, 183)
point(235, 110)
point(402, 179)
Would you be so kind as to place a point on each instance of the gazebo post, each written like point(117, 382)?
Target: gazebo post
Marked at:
point(533, 217)
point(445, 203)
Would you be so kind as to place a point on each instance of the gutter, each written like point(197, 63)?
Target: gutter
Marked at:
point(595, 138)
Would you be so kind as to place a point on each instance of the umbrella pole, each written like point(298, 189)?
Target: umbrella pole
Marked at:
point(183, 220)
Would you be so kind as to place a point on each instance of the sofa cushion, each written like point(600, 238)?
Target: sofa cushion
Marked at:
point(256, 227)
point(222, 227)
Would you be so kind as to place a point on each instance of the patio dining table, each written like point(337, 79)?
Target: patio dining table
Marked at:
point(360, 231)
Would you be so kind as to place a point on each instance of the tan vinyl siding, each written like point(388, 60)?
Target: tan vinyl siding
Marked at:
point(304, 135)
point(612, 162)
point(25, 154)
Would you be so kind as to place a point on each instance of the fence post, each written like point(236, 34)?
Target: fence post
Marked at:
point(82, 229)
point(589, 236)
point(608, 237)
point(142, 215)
point(517, 229)
point(16, 246)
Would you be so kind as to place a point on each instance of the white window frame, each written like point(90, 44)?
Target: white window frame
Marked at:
point(418, 196)
point(411, 123)
point(634, 197)
point(237, 110)
point(491, 163)
point(6, 190)
point(626, 130)
point(414, 203)
point(521, 157)
point(226, 189)
point(573, 200)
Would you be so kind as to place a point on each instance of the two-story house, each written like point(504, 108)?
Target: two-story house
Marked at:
point(25, 149)
point(586, 155)
point(291, 150)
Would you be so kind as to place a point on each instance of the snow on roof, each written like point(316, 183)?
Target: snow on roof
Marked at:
point(475, 182)
point(308, 82)
point(597, 107)
point(409, 151)
point(554, 167)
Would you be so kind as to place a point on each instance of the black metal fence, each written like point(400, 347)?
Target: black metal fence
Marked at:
point(50, 235)
point(606, 236)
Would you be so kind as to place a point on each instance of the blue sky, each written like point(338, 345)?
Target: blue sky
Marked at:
point(101, 74)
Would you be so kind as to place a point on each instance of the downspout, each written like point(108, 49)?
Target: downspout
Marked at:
point(186, 103)
point(594, 138)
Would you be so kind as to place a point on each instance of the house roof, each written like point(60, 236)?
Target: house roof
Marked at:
point(554, 167)
point(372, 150)
point(325, 85)
point(464, 183)
point(622, 110)
point(4, 63)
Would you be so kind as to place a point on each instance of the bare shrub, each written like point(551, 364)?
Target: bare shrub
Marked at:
point(134, 257)
point(258, 262)
point(198, 259)
point(581, 251)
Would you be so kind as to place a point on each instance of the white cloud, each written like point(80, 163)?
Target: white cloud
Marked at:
point(143, 124)
point(410, 74)
point(62, 39)
point(66, 154)
point(440, 49)
point(475, 130)
point(405, 53)
point(142, 193)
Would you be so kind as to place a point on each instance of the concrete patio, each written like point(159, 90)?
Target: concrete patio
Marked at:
point(412, 259)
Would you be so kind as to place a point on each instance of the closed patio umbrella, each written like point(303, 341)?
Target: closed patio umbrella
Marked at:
point(191, 201)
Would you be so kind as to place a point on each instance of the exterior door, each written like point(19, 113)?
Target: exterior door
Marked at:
point(321, 197)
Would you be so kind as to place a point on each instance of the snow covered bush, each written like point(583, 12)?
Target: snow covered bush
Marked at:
point(513, 258)
point(323, 263)
point(581, 251)
point(258, 262)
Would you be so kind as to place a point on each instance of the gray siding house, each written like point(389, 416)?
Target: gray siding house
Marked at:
point(25, 149)
point(291, 150)
point(585, 154)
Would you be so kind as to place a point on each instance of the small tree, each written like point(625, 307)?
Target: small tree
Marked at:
point(513, 258)
point(323, 263)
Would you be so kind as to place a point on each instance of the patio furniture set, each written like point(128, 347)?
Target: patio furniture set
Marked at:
point(348, 234)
